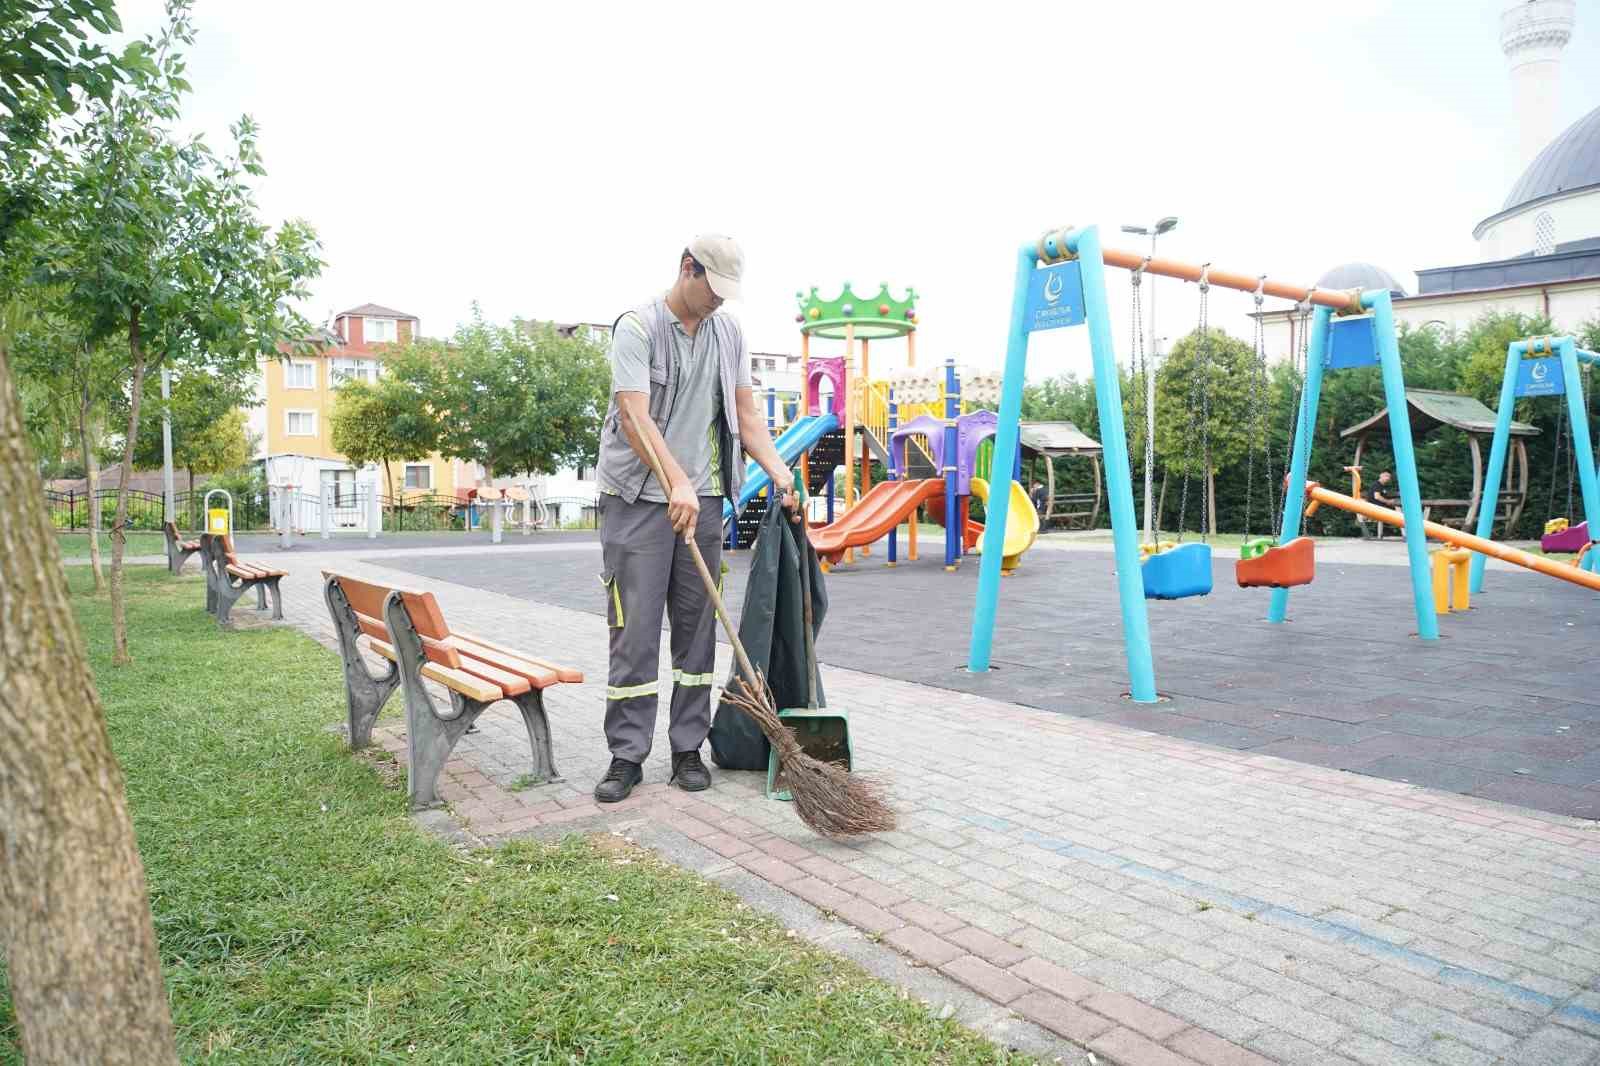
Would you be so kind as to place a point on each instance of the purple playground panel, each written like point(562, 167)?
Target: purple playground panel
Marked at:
point(833, 370)
point(1571, 539)
point(971, 430)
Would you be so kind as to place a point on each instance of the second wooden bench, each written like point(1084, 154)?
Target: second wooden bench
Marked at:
point(407, 628)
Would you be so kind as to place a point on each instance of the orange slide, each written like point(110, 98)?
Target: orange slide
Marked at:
point(885, 506)
point(1491, 548)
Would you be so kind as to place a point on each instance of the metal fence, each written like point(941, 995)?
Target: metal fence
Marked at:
point(408, 513)
point(70, 510)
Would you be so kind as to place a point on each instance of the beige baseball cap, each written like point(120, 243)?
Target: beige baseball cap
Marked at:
point(724, 262)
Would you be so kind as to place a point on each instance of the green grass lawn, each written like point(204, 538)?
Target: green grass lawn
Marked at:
point(302, 916)
point(76, 545)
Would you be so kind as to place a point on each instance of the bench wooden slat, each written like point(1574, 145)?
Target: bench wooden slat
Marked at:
point(469, 686)
point(251, 572)
point(539, 677)
point(566, 674)
point(510, 683)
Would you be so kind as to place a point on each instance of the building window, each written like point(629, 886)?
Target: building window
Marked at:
point(346, 369)
point(379, 330)
point(419, 476)
point(300, 423)
point(1544, 233)
point(300, 374)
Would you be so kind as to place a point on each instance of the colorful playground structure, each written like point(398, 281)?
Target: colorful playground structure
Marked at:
point(926, 431)
point(1060, 282)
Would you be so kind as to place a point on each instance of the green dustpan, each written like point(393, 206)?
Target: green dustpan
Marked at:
point(823, 733)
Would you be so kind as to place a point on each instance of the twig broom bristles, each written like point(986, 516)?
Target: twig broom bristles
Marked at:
point(829, 799)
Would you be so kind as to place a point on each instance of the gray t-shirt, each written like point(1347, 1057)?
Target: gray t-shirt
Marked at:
point(692, 425)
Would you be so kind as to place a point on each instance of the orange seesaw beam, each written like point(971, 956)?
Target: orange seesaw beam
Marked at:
point(1339, 299)
point(1494, 549)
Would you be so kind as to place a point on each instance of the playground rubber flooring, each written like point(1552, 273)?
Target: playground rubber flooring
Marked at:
point(1506, 706)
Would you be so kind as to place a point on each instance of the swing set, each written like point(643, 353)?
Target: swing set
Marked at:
point(1173, 570)
point(1060, 282)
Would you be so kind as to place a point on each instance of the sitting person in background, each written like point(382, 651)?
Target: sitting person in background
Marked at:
point(1380, 495)
point(1038, 496)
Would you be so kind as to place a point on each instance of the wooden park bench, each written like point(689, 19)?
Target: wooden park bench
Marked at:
point(227, 579)
point(178, 549)
point(407, 628)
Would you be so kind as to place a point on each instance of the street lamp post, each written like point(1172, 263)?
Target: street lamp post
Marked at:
point(1160, 226)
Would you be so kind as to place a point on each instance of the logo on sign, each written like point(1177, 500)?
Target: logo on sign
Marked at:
point(1052, 289)
point(1055, 297)
point(1540, 377)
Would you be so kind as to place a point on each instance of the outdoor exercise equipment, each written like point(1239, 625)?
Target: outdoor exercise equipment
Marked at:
point(1262, 563)
point(1060, 282)
point(1544, 366)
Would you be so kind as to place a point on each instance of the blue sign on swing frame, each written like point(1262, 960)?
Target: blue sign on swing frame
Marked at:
point(1055, 297)
point(1541, 377)
point(1352, 342)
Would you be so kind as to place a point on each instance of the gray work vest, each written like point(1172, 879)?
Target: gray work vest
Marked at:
point(620, 469)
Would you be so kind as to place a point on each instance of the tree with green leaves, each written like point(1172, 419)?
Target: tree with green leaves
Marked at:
point(1203, 404)
point(156, 240)
point(387, 422)
point(80, 947)
point(78, 380)
point(208, 424)
point(520, 399)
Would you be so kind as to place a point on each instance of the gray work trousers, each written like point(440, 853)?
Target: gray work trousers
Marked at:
point(647, 567)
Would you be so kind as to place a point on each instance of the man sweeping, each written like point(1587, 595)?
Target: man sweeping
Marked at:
point(680, 378)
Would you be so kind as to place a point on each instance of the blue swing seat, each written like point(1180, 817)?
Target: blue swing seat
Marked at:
point(1178, 572)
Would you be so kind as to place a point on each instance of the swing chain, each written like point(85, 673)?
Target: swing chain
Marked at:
point(1199, 404)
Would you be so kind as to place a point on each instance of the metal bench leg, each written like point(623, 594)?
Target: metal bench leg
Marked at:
point(228, 594)
point(277, 599)
point(209, 569)
point(531, 704)
point(261, 595)
point(183, 557)
point(430, 736)
point(364, 694)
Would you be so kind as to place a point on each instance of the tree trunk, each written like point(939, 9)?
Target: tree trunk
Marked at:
point(91, 472)
point(119, 538)
point(74, 909)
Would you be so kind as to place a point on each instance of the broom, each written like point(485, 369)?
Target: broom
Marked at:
point(830, 800)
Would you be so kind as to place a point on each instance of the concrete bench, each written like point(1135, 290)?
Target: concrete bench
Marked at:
point(178, 549)
point(228, 578)
point(408, 629)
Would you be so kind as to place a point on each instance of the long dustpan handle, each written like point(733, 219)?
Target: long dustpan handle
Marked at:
point(805, 600)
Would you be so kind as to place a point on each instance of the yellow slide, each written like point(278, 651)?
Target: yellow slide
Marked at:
point(1022, 523)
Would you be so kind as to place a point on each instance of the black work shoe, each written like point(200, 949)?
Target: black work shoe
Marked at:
point(689, 772)
point(619, 781)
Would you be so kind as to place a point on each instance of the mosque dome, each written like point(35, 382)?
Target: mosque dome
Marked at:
point(1360, 276)
point(1571, 161)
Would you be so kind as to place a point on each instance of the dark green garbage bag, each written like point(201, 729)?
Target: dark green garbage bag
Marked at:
point(772, 627)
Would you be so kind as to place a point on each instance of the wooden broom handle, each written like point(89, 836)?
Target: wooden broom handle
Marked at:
point(751, 678)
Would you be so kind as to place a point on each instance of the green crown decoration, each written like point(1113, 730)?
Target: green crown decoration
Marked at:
point(881, 316)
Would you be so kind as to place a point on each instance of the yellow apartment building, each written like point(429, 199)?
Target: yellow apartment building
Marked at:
point(292, 420)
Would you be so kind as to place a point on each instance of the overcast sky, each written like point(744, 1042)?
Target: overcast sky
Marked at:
point(551, 160)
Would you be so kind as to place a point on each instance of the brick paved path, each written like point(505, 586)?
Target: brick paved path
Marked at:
point(1152, 899)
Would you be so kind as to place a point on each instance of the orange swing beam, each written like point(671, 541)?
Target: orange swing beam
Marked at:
point(1494, 549)
point(1338, 299)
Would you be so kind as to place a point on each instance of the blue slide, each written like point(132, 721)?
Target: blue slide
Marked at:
point(800, 437)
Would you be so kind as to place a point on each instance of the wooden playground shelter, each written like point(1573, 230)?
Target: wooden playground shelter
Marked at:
point(1429, 409)
point(1042, 444)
